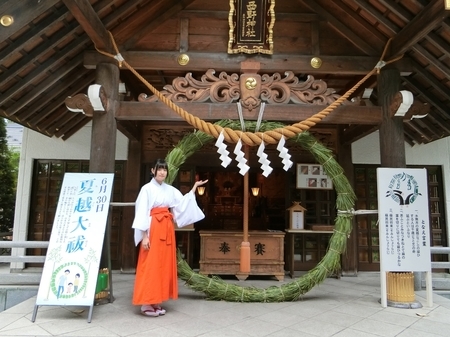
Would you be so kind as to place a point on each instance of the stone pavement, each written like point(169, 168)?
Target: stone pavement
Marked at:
point(346, 307)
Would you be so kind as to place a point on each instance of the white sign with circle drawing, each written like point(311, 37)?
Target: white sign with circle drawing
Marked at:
point(403, 219)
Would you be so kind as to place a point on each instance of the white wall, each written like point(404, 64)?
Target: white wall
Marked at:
point(367, 151)
point(38, 146)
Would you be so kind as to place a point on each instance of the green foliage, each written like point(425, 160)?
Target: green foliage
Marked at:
point(14, 160)
point(7, 183)
point(217, 289)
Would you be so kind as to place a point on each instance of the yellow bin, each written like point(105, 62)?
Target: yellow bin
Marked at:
point(400, 287)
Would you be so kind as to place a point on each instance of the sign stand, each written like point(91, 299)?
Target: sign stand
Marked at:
point(71, 267)
point(403, 225)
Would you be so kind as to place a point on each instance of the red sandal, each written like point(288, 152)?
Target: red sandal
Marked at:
point(150, 311)
point(159, 310)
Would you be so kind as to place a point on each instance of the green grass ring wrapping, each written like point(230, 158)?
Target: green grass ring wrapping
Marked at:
point(217, 289)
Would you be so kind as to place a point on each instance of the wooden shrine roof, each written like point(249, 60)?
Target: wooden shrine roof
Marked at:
point(48, 54)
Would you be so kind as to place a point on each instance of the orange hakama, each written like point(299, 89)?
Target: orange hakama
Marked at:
point(156, 273)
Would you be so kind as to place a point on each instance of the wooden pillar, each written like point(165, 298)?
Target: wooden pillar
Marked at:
point(103, 139)
point(104, 128)
point(132, 186)
point(349, 259)
point(244, 266)
point(392, 139)
point(250, 85)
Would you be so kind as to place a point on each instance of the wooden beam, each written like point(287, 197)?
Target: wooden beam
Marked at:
point(278, 112)
point(343, 29)
point(344, 65)
point(35, 33)
point(419, 131)
point(428, 127)
point(410, 138)
point(353, 133)
point(381, 19)
point(60, 101)
point(91, 23)
point(14, 72)
point(223, 15)
point(44, 85)
point(418, 87)
point(141, 20)
point(43, 102)
point(184, 35)
point(129, 129)
point(433, 60)
point(439, 43)
point(433, 38)
point(50, 64)
point(358, 23)
point(23, 12)
point(423, 23)
point(151, 23)
point(67, 127)
point(69, 133)
point(315, 38)
point(435, 83)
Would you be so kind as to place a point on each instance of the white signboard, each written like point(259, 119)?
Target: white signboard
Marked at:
point(403, 219)
point(297, 220)
point(72, 263)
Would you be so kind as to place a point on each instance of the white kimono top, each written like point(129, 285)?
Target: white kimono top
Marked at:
point(184, 207)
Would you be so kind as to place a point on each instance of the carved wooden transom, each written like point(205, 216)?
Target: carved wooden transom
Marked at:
point(225, 88)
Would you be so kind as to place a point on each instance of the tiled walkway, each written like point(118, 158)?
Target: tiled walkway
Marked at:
point(338, 307)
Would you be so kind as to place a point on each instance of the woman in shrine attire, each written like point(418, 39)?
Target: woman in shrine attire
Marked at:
point(158, 206)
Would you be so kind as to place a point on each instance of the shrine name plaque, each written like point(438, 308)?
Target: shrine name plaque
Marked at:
point(220, 253)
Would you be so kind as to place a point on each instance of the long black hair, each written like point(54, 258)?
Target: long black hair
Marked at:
point(160, 163)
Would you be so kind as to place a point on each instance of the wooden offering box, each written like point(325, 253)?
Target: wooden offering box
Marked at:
point(220, 252)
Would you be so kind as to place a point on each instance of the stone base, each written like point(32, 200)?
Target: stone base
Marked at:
point(403, 305)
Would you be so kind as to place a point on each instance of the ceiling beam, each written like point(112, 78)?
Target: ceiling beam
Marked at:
point(350, 65)
point(381, 19)
point(357, 23)
point(44, 102)
point(347, 32)
point(73, 119)
point(433, 61)
point(431, 99)
point(48, 66)
point(91, 23)
point(47, 116)
point(23, 12)
point(423, 23)
point(439, 86)
point(151, 23)
point(13, 72)
point(44, 85)
point(355, 132)
point(35, 32)
point(348, 114)
point(75, 128)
